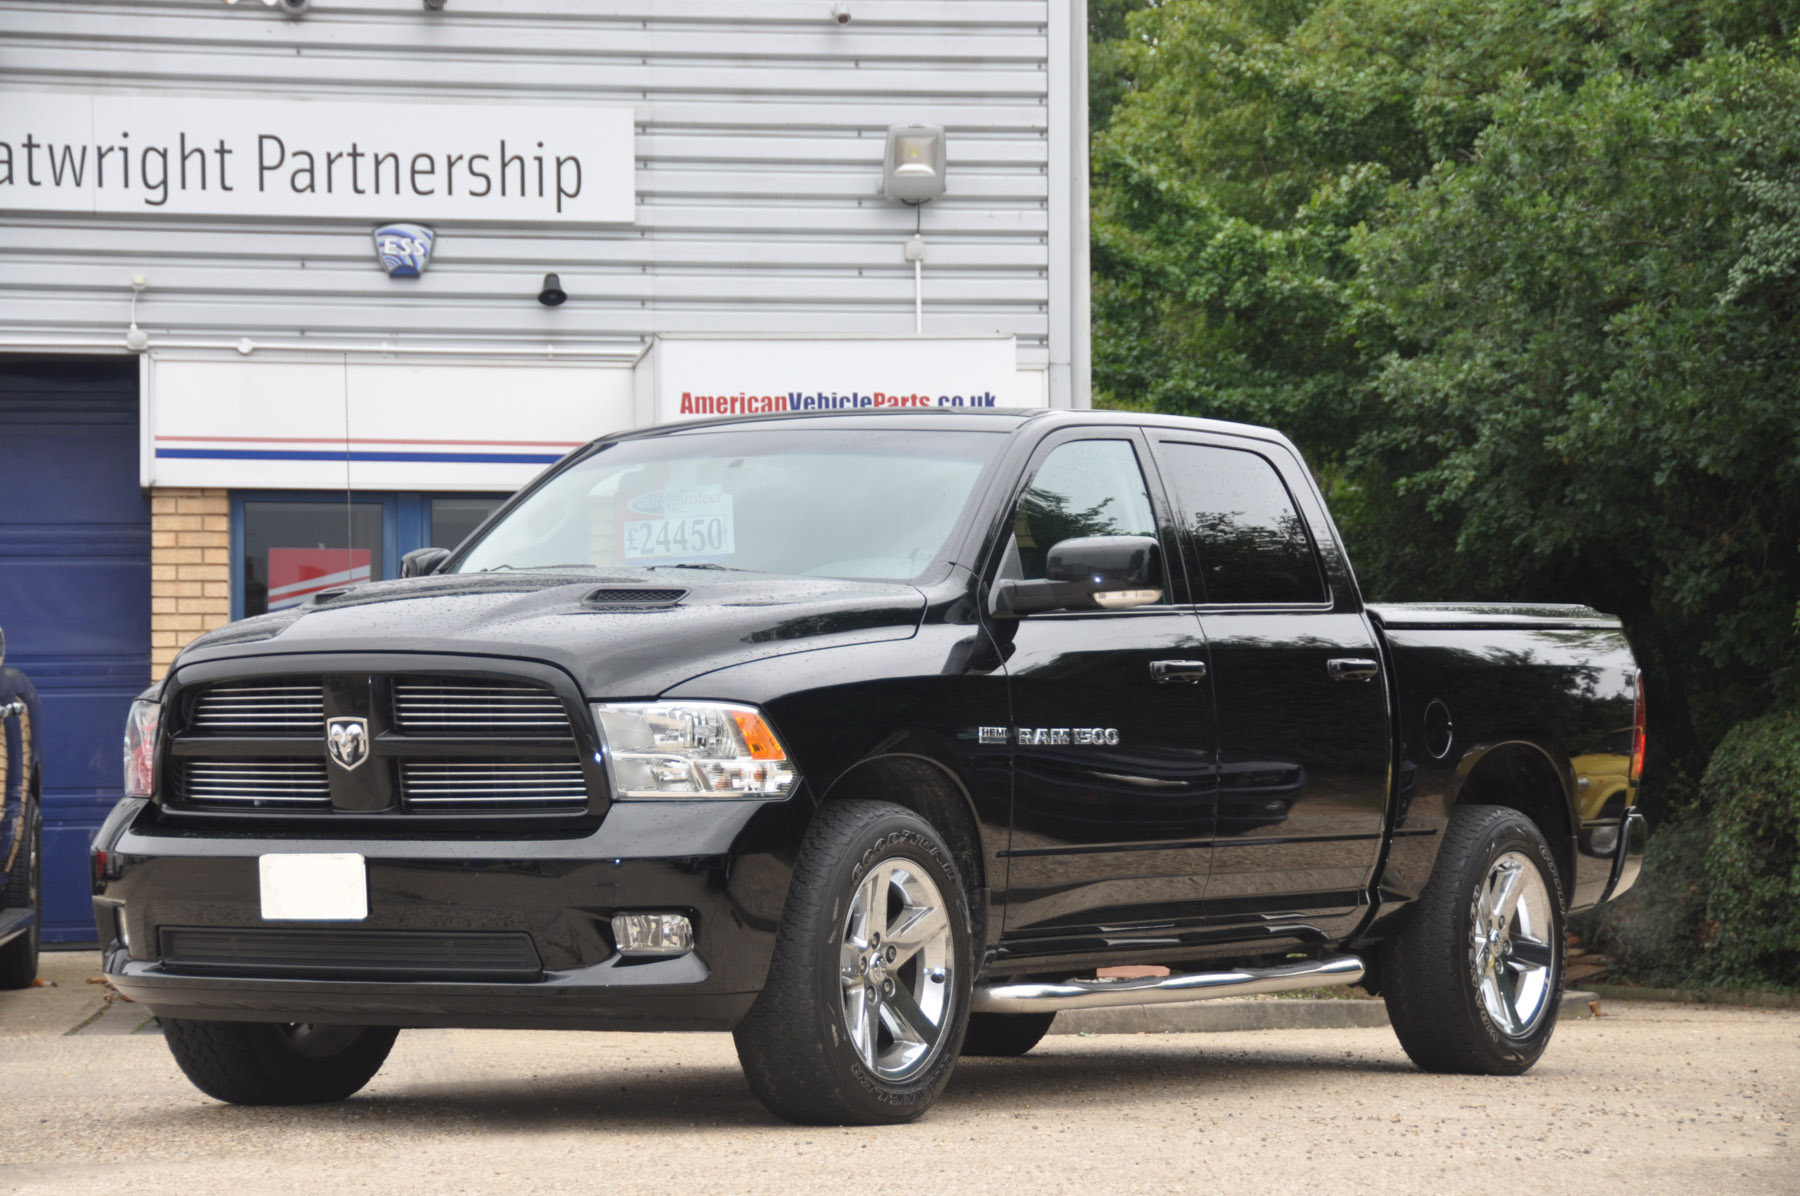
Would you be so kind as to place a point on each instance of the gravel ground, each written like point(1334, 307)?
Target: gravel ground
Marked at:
point(1648, 1098)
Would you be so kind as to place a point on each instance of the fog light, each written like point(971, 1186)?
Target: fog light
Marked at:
point(653, 934)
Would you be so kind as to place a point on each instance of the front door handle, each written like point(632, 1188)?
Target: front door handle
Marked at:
point(1352, 668)
point(1177, 672)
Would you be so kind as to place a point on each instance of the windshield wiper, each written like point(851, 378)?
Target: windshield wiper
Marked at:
point(535, 568)
point(703, 565)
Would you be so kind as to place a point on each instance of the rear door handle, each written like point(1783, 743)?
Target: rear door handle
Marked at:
point(1352, 668)
point(1177, 672)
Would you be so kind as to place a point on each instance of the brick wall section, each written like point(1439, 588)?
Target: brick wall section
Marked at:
point(190, 568)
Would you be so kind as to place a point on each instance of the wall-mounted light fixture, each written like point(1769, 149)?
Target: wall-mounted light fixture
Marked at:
point(136, 339)
point(914, 169)
point(913, 173)
point(552, 295)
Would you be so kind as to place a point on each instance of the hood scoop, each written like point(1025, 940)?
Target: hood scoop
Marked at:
point(632, 598)
point(403, 589)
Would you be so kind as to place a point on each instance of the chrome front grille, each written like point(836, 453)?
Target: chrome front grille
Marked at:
point(489, 709)
point(234, 784)
point(475, 786)
point(258, 709)
point(444, 745)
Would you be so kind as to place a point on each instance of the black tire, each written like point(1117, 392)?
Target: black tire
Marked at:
point(267, 1063)
point(25, 888)
point(798, 1046)
point(1434, 971)
point(1005, 1035)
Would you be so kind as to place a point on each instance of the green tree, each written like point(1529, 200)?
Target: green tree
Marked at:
point(1521, 277)
point(1109, 74)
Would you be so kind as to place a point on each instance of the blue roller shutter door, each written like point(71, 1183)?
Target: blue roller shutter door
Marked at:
point(74, 593)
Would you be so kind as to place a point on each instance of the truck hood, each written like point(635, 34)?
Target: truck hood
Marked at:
point(625, 633)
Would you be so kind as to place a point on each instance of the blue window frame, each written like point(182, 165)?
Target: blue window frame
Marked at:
point(388, 525)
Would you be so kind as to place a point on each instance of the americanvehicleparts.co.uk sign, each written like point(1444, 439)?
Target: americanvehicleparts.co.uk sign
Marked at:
point(231, 156)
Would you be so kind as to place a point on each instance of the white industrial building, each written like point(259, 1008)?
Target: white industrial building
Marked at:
point(202, 350)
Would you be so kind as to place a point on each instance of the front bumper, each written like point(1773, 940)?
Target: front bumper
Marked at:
point(671, 994)
point(724, 864)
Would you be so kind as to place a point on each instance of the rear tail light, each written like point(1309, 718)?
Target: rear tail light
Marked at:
point(1637, 731)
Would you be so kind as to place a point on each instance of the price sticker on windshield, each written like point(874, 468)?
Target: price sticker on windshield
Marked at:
point(692, 525)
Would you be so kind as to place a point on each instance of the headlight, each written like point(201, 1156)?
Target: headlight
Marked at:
point(140, 748)
point(692, 749)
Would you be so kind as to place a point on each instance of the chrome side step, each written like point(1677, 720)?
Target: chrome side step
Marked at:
point(1034, 997)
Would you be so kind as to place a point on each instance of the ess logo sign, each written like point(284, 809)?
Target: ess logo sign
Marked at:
point(404, 249)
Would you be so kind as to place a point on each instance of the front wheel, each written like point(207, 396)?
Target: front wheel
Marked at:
point(1473, 981)
point(862, 1013)
point(268, 1063)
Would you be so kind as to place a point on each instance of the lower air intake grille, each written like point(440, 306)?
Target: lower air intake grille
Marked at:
point(491, 786)
point(351, 954)
point(242, 784)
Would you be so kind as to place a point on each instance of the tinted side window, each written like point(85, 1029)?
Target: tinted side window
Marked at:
point(1084, 488)
point(1246, 534)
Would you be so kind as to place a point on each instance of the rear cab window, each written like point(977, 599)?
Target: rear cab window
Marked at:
point(1243, 529)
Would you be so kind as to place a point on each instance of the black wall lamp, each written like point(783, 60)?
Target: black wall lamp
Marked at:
point(552, 295)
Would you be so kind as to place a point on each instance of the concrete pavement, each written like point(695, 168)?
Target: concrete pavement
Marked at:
point(1648, 1099)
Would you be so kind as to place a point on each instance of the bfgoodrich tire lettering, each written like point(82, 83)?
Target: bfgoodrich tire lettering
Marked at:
point(267, 1063)
point(862, 1014)
point(1473, 981)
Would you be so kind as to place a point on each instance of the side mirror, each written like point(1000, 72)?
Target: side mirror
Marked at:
point(423, 561)
point(1091, 572)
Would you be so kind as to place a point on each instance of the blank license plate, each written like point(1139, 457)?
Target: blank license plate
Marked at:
point(314, 887)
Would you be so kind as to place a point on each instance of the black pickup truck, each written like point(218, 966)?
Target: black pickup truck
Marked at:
point(870, 738)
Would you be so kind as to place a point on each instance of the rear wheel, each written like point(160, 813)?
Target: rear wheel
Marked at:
point(862, 1013)
point(25, 888)
point(269, 1063)
point(1473, 982)
point(1005, 1035)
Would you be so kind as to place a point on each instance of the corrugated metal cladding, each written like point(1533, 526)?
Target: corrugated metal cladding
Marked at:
point(759, 137)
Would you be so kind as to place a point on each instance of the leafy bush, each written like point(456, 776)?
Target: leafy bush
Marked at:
point(1653, 934)
point(1753, 864)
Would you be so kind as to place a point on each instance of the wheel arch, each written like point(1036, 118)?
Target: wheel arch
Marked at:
point(1522, 775)
point(903, 774)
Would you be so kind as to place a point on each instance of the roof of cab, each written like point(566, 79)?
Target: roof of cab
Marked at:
point(1003, 419)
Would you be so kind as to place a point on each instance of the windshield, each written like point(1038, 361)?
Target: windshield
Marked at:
point(865, 503)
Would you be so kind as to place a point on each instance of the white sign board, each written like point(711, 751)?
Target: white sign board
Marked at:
point(329, 423)
point(698, 378)
point(231, 156)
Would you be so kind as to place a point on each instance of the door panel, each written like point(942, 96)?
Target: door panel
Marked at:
point(1112, 760)
point(1303, 711)
point(1108, 834)
point(1303, 769)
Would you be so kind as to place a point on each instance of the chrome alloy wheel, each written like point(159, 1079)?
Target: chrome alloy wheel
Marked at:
point(897, 969)
point(1511, 941)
